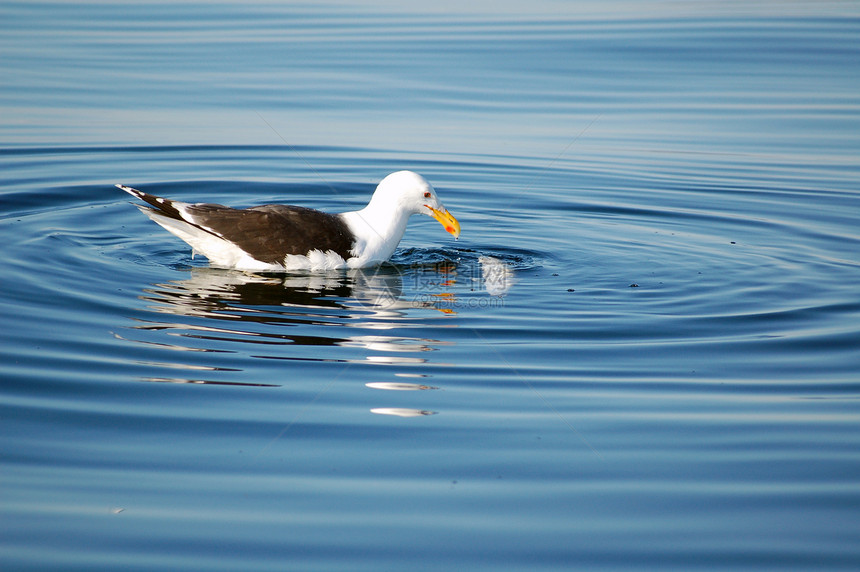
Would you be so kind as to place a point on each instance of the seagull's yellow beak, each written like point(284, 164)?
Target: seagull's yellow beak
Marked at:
point(446, 219)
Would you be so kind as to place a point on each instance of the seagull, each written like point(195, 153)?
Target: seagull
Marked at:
point(285, 237)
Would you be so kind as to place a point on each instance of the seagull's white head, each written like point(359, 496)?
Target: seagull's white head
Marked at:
point(412, 194)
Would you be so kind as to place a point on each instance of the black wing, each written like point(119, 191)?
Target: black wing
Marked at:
point(270, 232)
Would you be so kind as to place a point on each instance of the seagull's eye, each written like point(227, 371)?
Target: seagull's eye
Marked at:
point(427, 195)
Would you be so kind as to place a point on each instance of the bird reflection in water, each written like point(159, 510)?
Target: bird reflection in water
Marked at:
point(295, 318)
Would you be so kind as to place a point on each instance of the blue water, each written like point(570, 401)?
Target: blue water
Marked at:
point(642, 353)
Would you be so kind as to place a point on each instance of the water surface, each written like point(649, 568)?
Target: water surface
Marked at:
point(642, 353)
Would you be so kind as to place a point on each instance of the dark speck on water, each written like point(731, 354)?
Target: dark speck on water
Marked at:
point(160, 414)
